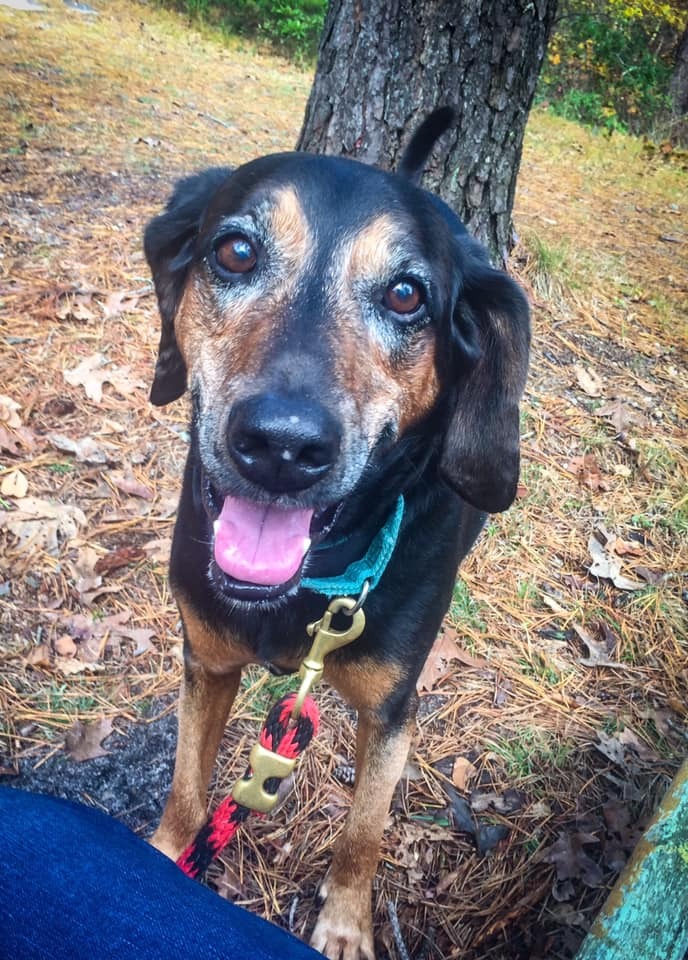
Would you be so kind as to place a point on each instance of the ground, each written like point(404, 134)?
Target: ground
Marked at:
point(554, 707)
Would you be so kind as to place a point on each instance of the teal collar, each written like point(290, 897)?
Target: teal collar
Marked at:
point(369, 568)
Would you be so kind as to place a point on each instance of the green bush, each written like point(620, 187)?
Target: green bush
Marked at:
point(609, 64)
point(291, 25)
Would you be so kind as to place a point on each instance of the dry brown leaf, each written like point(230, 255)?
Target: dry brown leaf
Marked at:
point(16, 440)
point(627, 548)
point(589, 380)
point(86, 450)
point(41, 524)
point(621, 414)
point(116, 559)
point(14, 484)
point(92, 373)
point(128, 484)
point(118, 302)
point(587, 471)
point(84, 740)
point(39, 656)
point(158, 550)
point(463, 772)
point(444, 650)
point(64, 646)
point(605, 564)
point(600, 646)
point(9, 412)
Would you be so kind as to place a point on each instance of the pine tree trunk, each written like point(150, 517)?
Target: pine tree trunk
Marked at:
point(383, 65)
point(678, 91)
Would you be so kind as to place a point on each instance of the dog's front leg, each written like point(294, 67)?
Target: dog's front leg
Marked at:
point(211, 680)
point(344, 928)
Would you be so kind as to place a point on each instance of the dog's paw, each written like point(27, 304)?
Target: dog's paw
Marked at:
point(344, 930)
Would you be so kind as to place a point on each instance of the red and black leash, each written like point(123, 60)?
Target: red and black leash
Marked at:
point(280, 734)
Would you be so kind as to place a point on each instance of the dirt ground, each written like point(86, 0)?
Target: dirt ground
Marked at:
point(554, 708)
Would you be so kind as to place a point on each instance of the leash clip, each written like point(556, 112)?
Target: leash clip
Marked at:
point(325, 640)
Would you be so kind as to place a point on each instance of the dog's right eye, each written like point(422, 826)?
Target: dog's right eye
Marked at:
point(235, 254)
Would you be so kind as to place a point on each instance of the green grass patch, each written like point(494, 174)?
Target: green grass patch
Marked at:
point(464, 610)
point(527, 751)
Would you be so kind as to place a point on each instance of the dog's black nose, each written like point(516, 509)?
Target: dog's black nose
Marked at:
point(281, 443)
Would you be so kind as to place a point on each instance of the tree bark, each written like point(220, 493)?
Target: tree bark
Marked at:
point(678, 90)
point(384, 65)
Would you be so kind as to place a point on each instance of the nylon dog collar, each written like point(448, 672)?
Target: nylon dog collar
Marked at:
point(369, 568)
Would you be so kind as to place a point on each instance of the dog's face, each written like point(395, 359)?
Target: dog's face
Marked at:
point(321, 311)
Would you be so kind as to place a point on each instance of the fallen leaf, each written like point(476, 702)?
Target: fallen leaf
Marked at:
point(627, 548)
point(64, 646)
point(587, 471)
point(158, 550)
point(16, 440)
point(92, 373)
point(601, 645)
point(589, 381)
point(128, 484)
point(42, 524)
point(621, 415)
point(463, 772)
point(14, 484)
point(116, 559)
point(611, 748)
point(606, 565)
point(39, 656)
point(86, 450)
point(653, 577)
point(118, 302)
point(630, 739)
point(84, 740)
point(571, 862)
point(444, 650)
point(9, 412)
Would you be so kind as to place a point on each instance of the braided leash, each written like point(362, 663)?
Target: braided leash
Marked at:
point(280, 735)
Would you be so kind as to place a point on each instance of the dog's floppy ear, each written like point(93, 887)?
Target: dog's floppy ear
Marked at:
point(480, 457)
point(168, 244)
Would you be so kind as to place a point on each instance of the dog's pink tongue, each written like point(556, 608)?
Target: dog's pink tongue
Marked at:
point(259, 543)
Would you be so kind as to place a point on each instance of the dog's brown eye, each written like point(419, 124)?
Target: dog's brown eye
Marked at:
point(236, 254)
point(404, 297)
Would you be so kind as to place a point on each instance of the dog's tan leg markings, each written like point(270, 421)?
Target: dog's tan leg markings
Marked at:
point(344, 928)
point(208, 691)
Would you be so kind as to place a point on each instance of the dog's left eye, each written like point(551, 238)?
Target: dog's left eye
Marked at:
point(236, 254)
point(404, 297)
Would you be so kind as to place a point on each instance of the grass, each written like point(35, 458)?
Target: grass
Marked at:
point(529, 749)
point(606, 294)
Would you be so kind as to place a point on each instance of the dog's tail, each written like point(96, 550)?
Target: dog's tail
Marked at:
point(423, 140)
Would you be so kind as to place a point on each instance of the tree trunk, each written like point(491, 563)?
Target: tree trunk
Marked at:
point(383, 65)
point(678, 90)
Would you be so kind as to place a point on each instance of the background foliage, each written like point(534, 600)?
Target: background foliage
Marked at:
point(609, 64)
point(290, 25)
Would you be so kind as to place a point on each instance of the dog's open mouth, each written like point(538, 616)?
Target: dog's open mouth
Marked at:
point(259, 548)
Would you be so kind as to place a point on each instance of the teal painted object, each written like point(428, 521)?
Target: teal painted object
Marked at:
point(370, 567)
point(646, 914)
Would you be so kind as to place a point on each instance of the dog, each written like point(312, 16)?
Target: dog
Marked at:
point(348, 349)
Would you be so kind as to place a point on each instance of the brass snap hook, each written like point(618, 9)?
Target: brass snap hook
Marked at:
point(325, 640)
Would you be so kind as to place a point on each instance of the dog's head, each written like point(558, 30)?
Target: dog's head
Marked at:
point(321, 312)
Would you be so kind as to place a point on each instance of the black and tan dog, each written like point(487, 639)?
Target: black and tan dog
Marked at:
point(344, 342)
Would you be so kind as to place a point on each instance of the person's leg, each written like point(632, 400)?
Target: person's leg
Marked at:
point(77, 885)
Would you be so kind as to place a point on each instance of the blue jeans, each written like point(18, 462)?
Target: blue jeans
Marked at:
point(77, 885)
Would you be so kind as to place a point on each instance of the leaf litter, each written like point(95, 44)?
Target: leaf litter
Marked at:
point(568, 645)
